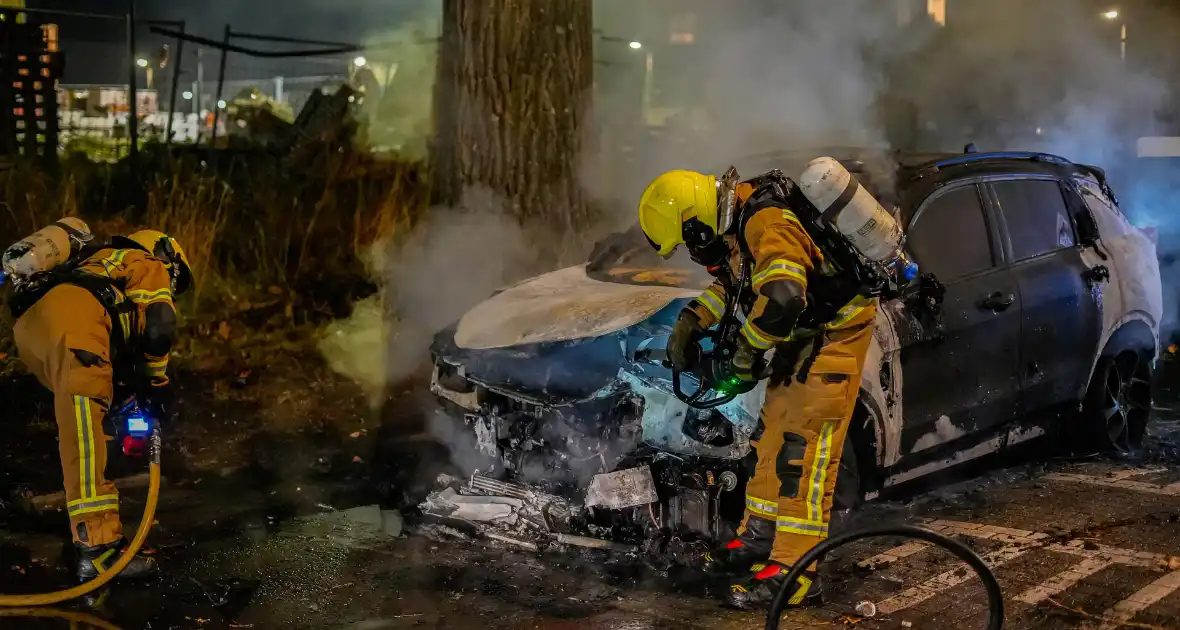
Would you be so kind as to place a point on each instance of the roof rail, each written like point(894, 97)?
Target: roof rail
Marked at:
point(1001, 155)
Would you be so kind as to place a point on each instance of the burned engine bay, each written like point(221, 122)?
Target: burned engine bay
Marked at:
point(582, 443)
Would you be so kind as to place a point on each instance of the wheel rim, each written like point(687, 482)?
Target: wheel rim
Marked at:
point(1126, 402)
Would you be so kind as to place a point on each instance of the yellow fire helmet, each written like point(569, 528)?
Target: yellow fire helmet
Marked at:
point(676, 197)
point(169, 250)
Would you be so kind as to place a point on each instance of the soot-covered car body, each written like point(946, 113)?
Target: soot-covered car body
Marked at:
point(1049, 324)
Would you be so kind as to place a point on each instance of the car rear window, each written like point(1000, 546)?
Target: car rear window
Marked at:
point(1037, 218)
point(949, 237)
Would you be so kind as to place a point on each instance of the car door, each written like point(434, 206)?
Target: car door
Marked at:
point(1061, 317)
point(963, 383)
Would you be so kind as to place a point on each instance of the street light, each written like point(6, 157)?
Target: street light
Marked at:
point(141, 62)
point(1111, 15)
point(188, 96)
point(360, 62)
point(220, 104)
point(635, 45)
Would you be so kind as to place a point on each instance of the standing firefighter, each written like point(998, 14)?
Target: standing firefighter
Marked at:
point(818, 318)
point(94, 326)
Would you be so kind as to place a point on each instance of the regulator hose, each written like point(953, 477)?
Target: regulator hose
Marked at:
point(995, 597)
point(145, 525)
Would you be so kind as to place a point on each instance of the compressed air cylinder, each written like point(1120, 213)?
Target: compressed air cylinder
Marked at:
point(848, 206)
point(45, 249)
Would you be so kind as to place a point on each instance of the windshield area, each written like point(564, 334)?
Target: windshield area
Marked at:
point(627, 258)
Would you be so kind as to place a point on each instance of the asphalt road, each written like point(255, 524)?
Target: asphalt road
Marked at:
point(1089, 544)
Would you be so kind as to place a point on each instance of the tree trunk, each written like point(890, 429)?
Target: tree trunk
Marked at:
point(513, 89)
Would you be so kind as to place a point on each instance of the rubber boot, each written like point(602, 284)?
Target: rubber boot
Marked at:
point(95, 560)
point(741, 553)
point(756, 591)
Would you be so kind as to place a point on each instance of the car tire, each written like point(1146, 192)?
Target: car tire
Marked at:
point(848, 495)
point(1118, 403)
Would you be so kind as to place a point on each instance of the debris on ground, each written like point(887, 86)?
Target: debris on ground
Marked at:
point(518, 515)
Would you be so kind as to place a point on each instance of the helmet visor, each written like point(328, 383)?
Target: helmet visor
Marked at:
point(656, 246)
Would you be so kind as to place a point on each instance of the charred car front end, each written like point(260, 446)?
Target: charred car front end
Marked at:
point(581, 408)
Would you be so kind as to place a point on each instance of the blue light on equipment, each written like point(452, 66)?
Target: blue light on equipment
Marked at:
point(137, 424)
point(910, 272)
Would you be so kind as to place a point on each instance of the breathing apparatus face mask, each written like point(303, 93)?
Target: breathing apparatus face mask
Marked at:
point(165, 250)
point(705, 246)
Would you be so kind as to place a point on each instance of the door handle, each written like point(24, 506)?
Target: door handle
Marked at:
point(998, 301)
point(1096, 274)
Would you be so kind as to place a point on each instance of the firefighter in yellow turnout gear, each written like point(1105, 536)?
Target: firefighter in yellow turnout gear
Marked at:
point(105, 319)
point(816, 367)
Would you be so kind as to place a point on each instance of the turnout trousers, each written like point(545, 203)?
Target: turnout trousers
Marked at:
point(64, 340)
point(804, 426)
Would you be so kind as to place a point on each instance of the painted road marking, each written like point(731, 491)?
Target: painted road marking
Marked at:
point(1127, 473)
point(946, 580)
point(1136, 603)
point(1017, 543)
point(1171, 490)
point(882, 560)
point(1062, 581)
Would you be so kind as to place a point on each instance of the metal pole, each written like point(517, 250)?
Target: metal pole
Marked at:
point(199, 93)
point(132, 106)
point(175, 85)
point(220, 86)
point(1123, 44)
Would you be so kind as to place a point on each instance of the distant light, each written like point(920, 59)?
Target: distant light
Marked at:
point(141, 62)
point(1040, 131)
point(188, 96)
point(1112, 14)
point(635, 45)
point(359, 62)
point(253, 96)
point(220, 104)
point(351, 99)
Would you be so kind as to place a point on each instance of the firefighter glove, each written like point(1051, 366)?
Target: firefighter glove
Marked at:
point(683, 351)
point(745, 361)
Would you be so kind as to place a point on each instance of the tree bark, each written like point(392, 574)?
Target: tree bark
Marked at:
point(513, 89)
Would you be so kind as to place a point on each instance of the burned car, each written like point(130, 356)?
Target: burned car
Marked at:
point(1048, 325)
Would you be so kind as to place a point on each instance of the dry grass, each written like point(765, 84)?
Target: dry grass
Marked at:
point(262, 229)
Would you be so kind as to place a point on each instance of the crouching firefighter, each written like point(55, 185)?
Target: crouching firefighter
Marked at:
point(812, 298)
point(97, 324)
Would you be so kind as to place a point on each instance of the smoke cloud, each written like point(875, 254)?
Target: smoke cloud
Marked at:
point(764, 76)
point(767, 76)
point(449, 263)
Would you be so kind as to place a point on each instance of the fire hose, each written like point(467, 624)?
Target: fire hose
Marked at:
point(145, 525)
point(995, 597)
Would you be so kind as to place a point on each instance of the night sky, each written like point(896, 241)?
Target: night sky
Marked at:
point(95, 49)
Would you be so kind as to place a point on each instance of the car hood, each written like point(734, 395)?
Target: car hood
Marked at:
point(562, 305)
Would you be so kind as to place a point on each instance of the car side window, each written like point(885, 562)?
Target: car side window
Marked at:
point(949, 236)
point(1036, 214)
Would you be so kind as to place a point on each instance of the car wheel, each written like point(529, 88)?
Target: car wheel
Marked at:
point(1118, 404)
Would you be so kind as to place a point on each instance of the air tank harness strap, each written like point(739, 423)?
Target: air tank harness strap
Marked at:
point(116, 305)
point(103, 289)
point(77, 235)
